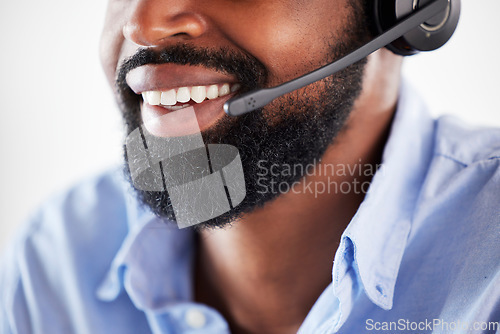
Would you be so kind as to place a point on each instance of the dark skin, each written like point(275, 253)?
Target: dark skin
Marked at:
point(266, 271)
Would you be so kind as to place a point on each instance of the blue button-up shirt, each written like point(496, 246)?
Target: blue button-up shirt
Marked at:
point(421, 255)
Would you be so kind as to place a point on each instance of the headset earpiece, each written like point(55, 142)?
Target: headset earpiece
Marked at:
point(429, 36)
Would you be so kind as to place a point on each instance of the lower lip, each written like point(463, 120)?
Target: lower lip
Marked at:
point(179, 122)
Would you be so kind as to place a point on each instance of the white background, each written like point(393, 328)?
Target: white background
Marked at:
point(58, 119)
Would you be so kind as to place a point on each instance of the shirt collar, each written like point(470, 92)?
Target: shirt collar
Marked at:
point(154, 262)
point(374, 241)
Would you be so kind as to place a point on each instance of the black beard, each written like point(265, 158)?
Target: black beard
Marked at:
point(294, 130)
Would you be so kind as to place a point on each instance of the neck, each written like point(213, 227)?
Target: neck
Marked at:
point(265, 272)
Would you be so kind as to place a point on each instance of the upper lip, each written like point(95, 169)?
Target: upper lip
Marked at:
point(169, 76)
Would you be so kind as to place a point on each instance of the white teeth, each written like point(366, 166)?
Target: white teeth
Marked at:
point(224, 90)
point(212, 92)
point(198, 94)
point(183, 95)
point(152, 97)
point(169, 98)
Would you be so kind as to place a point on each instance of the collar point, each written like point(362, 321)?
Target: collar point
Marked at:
point(381, 296)
point(111, 286)
point(107, 293)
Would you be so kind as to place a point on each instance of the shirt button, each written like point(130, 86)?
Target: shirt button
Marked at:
point(195, 318)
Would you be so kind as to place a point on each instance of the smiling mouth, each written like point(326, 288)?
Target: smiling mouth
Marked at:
point(182, 97)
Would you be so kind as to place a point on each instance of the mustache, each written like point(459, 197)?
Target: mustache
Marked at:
point(249, 71)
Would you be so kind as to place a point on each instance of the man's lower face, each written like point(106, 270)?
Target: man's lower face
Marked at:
point(294, 130)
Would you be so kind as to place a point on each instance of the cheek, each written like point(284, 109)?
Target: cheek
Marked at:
point(290, 38)
point(112, 39)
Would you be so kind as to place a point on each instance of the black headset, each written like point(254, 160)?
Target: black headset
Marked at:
point(405, 27)
point(430, 35)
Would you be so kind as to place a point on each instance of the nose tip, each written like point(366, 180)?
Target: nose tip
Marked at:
point(153, 23)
